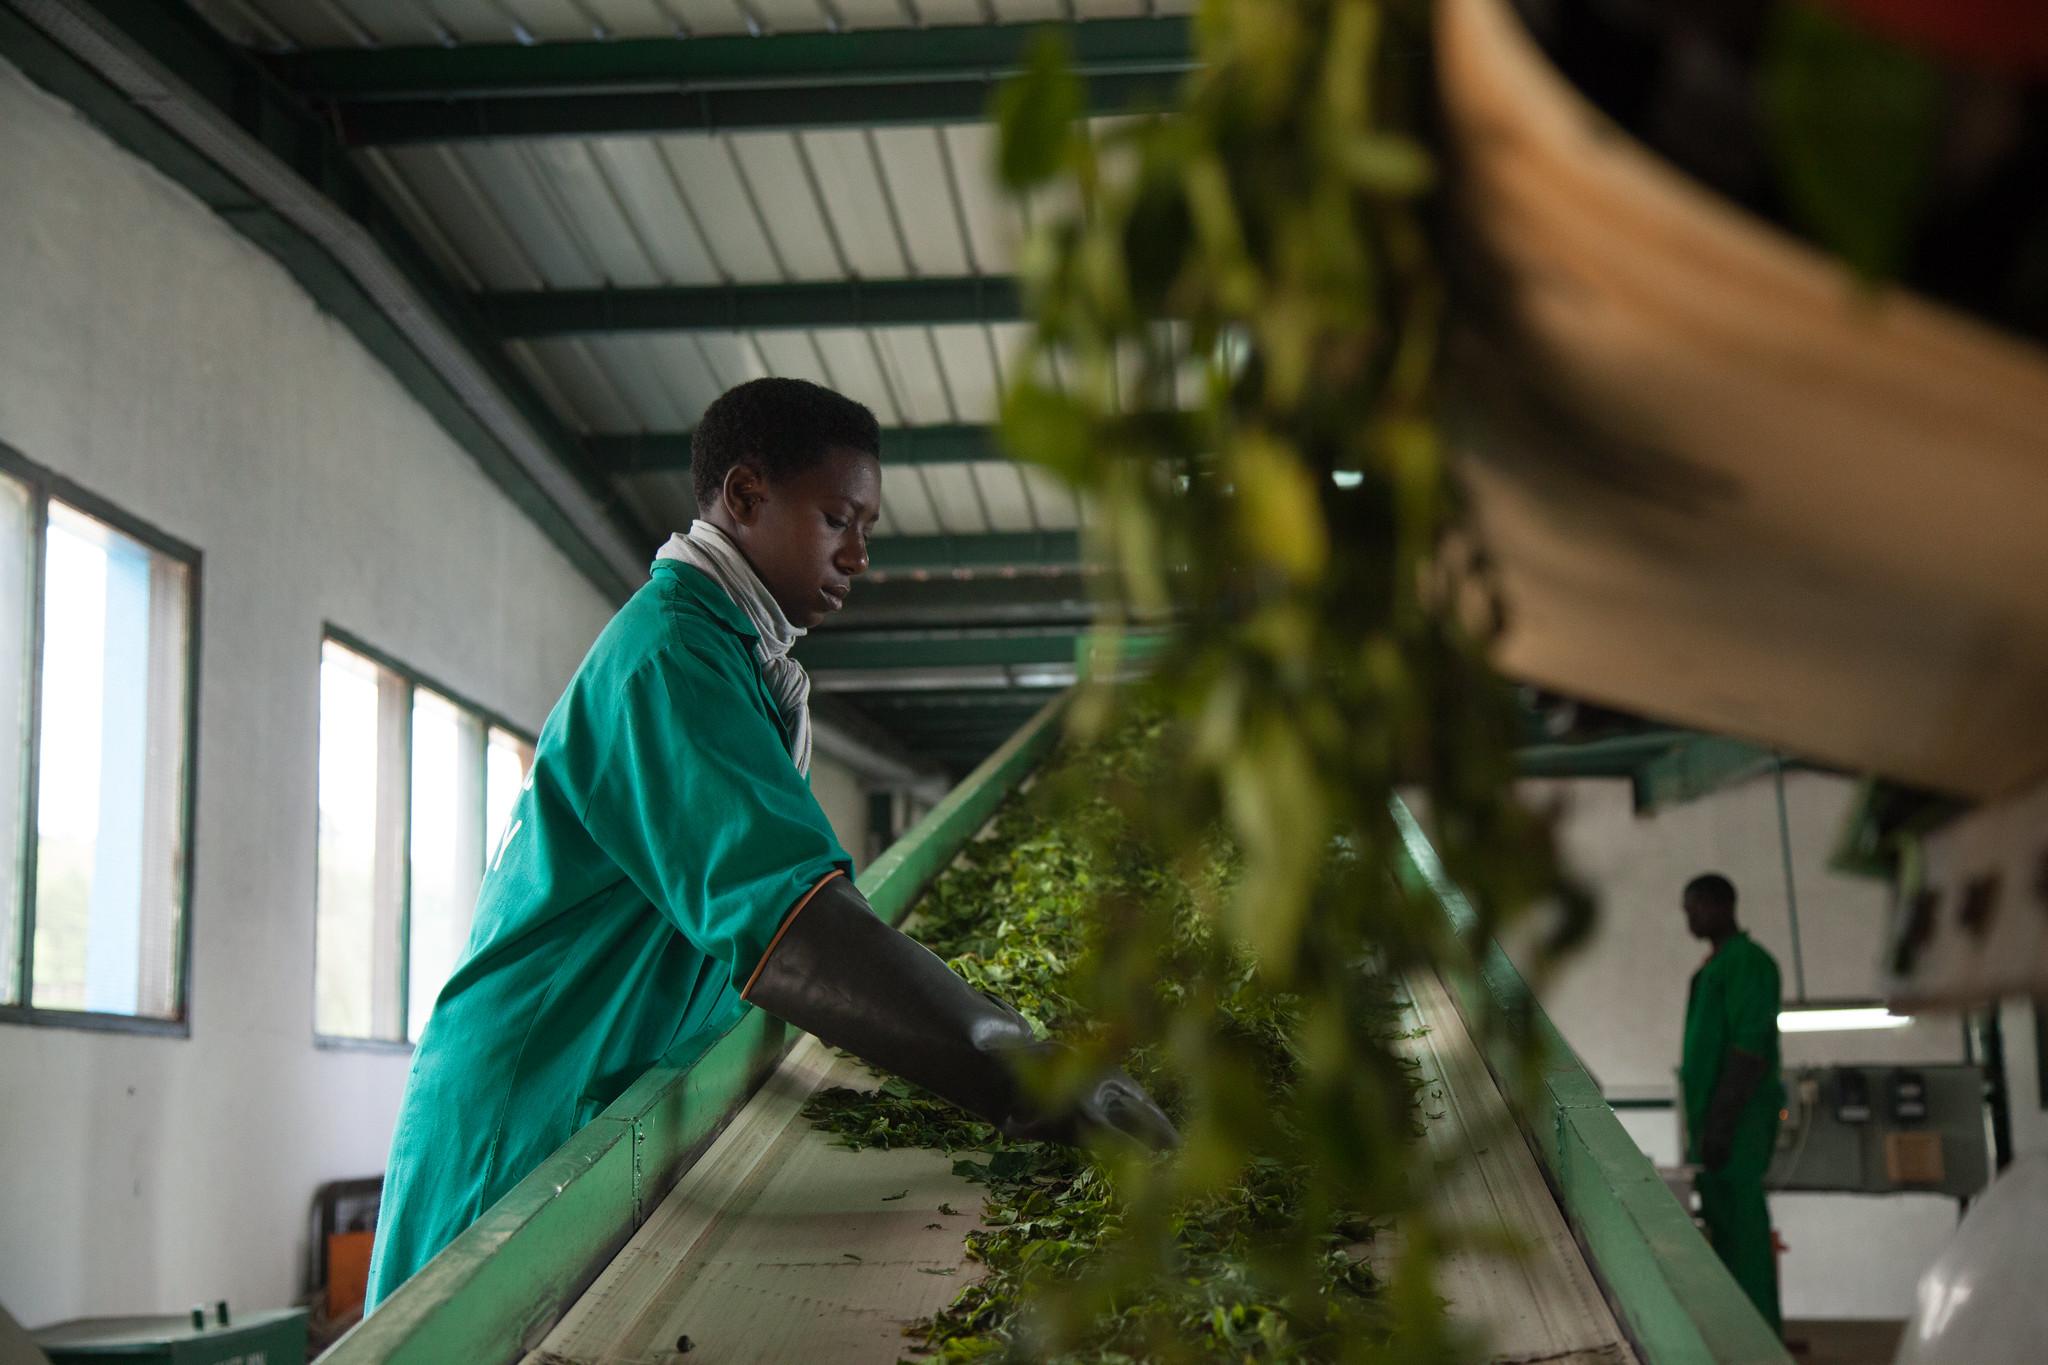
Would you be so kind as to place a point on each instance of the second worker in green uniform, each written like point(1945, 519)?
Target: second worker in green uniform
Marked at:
point(666, 866)
point(1732, 1092)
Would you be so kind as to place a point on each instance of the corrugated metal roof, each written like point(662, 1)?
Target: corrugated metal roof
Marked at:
point(746, 208)
point(288, 24)
point(653, 381)
point(738, 208)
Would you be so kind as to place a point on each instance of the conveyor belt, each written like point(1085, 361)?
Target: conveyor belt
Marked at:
point(776, 1244)
point(781, 1246)
point(1545, 1305)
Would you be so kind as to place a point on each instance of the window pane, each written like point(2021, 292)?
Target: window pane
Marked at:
point(17, 548)
point(110, 800)
point(359, 897)
point(510, 759)
point(447, 844)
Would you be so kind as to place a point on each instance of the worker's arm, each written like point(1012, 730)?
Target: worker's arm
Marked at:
point(836, 970)
point(1740, 1073)
point(694, 797)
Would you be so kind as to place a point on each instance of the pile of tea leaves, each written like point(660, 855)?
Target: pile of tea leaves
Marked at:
point(1012, 916)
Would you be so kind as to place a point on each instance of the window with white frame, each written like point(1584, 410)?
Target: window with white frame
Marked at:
point(96, 685)
point(414, 785)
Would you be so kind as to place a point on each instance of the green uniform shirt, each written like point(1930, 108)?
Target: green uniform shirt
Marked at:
point(1733, 1003)
point(662, 836)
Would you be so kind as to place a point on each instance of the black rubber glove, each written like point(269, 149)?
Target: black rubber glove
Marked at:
point(1740, 1073)
point(839, 972)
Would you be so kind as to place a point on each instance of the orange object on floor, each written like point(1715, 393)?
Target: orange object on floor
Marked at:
point(348, 1271)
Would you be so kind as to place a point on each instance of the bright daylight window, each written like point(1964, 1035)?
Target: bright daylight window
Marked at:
point(414, 788)
point(95, 682)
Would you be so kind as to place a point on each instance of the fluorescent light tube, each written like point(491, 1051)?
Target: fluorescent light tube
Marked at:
point(1839, 1019)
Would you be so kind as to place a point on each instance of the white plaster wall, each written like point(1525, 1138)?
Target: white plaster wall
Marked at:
point(163, 362)
point(1621, 1002)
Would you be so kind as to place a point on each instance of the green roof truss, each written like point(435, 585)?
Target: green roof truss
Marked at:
point(664, 85)
point(996, 550)
point(652, 451)
point(754, 307)
point(892, 649)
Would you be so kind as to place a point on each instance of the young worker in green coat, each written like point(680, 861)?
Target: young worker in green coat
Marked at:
point(666, 865)
point(1733, 1096)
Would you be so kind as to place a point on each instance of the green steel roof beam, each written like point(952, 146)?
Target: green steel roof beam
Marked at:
point(753, 307)
point(1611, 756)
point(997, 728)
point(927, 75)
point(654, 451)
point(1699, 766)
point(1040, 598)
point(956, 741)
point(869, 55)
point(398, 123)
point(878, 649)
point(887, 706)
point(1029, 550)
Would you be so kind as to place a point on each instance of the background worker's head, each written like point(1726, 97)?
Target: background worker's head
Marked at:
point(1709, 902)
point(792, 472)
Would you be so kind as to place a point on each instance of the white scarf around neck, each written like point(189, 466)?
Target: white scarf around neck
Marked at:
point(707, 548)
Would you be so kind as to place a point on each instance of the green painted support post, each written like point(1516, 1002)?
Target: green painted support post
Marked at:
point(495, 1291)
point(1675, 1299)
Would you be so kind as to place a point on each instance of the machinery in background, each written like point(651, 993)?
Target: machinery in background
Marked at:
point(273, 1338)
point(1883, 1130)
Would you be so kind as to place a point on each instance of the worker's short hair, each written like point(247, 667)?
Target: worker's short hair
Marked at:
point(1713, 888)
point(780, 426)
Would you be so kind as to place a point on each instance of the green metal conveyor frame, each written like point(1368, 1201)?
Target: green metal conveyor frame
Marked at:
point(495, 1292)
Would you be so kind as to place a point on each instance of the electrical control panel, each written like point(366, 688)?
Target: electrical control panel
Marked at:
point(1883, 1130)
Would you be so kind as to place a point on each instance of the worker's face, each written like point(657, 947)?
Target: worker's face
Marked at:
point(1703, 918)
point(807, 535)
